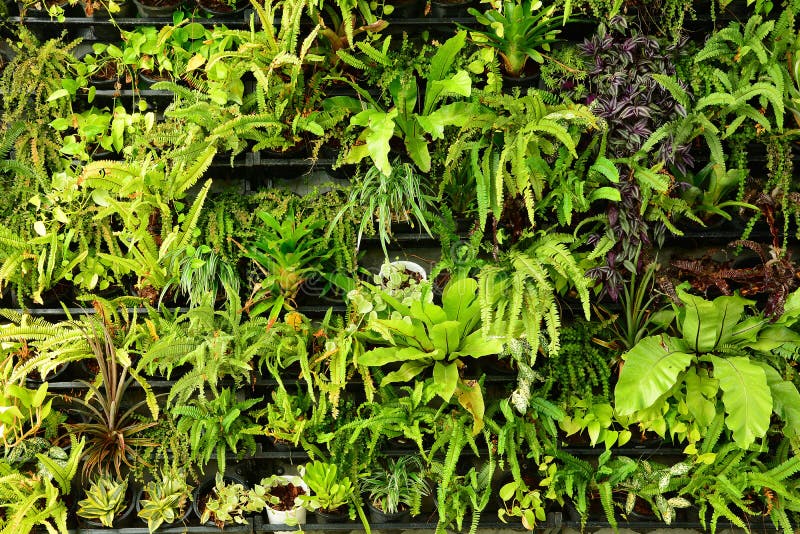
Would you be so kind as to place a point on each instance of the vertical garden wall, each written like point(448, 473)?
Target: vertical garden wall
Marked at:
point(591, 316)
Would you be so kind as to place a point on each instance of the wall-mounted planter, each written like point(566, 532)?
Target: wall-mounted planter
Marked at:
point(296, 515)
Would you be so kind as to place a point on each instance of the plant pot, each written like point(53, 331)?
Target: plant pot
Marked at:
point(328, 518)
point(107, 32)
point(378, 516)
point(163, 10)
point(415, 269)
point(220, 9)
point(206, 488)
point(526, 81)
point(405, 9)
point(131, 495)
point(446, 10)
point(140, 496)
point(148, 78)
point(296, 514)
point(36, 378)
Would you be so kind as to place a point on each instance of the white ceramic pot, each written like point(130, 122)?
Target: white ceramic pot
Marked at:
point(295, 516)
point(401, 266)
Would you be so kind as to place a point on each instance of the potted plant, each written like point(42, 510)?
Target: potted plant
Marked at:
point(330, 492)
point(519, 32)
point(108, 500)
point(164, 500)
point(229, 501)
point(395, 489)
point(394, 274)
point(287, 418)
point(287, 253)
point(438, 338)
point(399, 196)
point(222, 8)
point(284, 506)
point(112, 429)
point(156, 8)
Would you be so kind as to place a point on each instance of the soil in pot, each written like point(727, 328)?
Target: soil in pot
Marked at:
point(157, 8)
point(286, 495)
point(204, 491)
point(220, 8)
point(149, 77)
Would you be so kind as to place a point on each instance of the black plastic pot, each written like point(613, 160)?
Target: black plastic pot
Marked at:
point(222, 12)
point(378, 516)
point(126, 513)
point(523, 82)
point(157, 12)
point(149, 79)
point(208, 486)
point(107, 31)
point(58, 371)
point(406, 9)
point(446, 10)
point(327, 518)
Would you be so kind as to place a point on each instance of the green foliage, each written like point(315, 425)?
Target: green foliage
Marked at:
point(229, 503)
point(425, 335)
point(519, 31)
point(165, 499)
point(287, 253)
point(416, 125)
point(720, 352)
point(522, 286)
point(397, 484)
point(397, 196)
point(330, 491)
point(105, 498)
point(217, 425)
point(581, 367)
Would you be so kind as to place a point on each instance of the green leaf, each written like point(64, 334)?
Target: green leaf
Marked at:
point(445, 378)
point(651, 368)
point(706, 324)
point(58, 93)
point(746, 396)
point(785, 399)
point(446, 336)
point(383, 355)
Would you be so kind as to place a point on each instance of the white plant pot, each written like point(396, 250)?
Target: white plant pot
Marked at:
point(403, 265)
point(296, 515)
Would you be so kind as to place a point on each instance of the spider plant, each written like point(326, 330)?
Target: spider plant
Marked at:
point(398, 486)
point(399, 196)
point(111, 431)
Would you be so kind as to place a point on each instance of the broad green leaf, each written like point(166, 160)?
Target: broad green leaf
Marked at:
point(446, 337)
point(705, 324)
point(651, 368)
point(746, 396)
point(785, 399)
point(460, 298)
point(701, 408)
point(383, 355)
point(445, 378)
point(477, 345)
